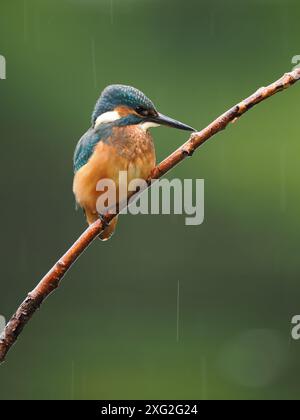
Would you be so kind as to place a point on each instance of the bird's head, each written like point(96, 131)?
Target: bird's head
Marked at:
point(124, 105)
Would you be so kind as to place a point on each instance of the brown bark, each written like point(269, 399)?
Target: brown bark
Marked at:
point(52, 279)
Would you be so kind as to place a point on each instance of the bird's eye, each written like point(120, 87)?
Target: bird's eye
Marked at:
point(142, 111)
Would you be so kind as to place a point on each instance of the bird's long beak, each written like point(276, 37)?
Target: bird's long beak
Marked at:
point(169, 122)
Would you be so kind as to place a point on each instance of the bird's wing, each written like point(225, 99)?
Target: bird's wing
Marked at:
point(88, 141)
point(85, 147)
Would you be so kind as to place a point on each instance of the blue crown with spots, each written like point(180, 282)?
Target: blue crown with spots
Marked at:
point(117, 95)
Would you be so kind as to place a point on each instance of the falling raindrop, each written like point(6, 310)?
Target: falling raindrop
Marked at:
point(112, 12)
point(212, 25)
point(283, 199)
point(178, 312)
point(285, 26)
point(204, 378)
point(94, 66)
point(37, 25)
point(72, 380)
point(25, 20)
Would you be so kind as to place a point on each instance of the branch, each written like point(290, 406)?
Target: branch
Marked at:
point(52, 279)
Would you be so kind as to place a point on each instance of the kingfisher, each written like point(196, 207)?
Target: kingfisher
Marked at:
point(118, 140)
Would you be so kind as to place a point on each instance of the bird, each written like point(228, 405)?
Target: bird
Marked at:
point(118, 140)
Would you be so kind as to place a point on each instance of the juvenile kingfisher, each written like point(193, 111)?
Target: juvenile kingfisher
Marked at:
point(118, 140)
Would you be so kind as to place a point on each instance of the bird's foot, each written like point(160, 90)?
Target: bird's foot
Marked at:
point(103, 220)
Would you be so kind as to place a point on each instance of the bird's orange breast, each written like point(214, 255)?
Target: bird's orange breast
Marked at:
point(128, 149)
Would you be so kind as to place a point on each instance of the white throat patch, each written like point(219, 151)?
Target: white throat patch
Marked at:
point(107, 117)
point(146, 125)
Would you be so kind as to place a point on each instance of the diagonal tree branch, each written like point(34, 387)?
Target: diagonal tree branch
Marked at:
point(52, 279)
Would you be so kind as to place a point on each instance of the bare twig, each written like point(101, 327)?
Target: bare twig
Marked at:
point(52, 279)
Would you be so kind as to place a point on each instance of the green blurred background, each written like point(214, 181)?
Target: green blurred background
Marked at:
point(110, 331)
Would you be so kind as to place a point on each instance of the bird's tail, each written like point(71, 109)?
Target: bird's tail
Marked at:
point(109, 231)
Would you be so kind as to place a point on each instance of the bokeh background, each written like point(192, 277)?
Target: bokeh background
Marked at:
point(110, 331)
